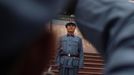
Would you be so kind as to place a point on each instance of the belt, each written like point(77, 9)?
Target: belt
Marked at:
point(70, 55)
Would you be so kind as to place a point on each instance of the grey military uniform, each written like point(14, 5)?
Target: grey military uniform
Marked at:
point(70, 45)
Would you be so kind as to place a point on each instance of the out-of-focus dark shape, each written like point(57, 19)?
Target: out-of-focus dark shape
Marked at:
point(37, 55)
point(23, 22)
point(109, 26)
point(70, 8)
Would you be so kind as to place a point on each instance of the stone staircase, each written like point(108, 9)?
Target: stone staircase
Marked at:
point(93, 65)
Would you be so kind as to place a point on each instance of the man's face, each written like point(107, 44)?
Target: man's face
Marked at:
point(71, 28)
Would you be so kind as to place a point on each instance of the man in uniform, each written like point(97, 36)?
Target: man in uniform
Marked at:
point(70, 52)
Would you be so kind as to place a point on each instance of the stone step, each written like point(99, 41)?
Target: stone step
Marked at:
point(93, 54)
point(91, 69)
point(89, 64)
point(93, 60)
point(85, 69)
point(82, 73)
point(93, 57)
point(98, 65)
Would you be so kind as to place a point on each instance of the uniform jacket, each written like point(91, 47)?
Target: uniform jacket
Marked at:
point(72, 45)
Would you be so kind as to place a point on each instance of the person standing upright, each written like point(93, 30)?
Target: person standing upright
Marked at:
point(70, 52)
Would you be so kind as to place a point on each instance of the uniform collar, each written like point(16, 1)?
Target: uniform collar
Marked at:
point(70, 35)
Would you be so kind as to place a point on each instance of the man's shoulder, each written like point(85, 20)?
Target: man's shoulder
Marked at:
point(78, 37)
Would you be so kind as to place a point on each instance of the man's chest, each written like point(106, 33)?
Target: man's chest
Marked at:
point(70, 41)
